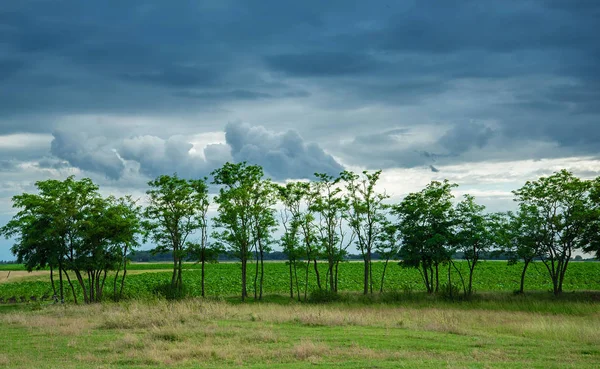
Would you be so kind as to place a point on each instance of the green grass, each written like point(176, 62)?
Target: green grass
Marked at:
point(213, 334)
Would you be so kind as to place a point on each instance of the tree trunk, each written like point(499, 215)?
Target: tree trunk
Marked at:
point(450, 292)
point(306, 280)
point(256, 275)
point(53, 285)
point(60, 277)
point(366, 274)
point(428, 284)
point(383, 275)
point(244, 293)
point(296, 278)
point(527, 261)
point(437, 277)
point(202, 277)
point(317, 274)
point(291, 280)
point(262, 273)
point(72, 287)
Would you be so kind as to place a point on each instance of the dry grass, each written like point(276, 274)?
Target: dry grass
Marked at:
point(22, 275)
point(187, 332)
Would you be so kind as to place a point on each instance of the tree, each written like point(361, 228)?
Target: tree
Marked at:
point(292, 196)
point(562, 204)
point(475, 234)
point(245, 212)
point(330, 207)
point(127, 214)
point(425, 223)
point(176, 210)
point(387, 246)
point(521, 238)
point(592, 230)
point(263, 224)
point(68, 226)
point(366, 214)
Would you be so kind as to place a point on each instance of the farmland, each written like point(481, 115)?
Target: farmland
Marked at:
point(223, 279)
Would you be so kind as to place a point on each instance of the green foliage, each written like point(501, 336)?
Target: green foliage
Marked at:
point(425, 222)
point(246, 215)
point(69, 227)
point(366, 216)
point(562, 206)
point(177, 208)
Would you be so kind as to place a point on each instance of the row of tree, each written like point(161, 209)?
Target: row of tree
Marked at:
point(70, 228)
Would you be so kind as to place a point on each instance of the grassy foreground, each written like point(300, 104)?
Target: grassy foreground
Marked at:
point(415, 333)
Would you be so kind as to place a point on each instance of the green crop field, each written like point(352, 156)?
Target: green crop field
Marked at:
point(223, 279)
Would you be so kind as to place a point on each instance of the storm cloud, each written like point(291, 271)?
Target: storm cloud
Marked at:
point(125, 92)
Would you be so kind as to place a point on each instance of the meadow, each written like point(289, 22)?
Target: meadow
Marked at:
point(402, 328)
point(217, 334)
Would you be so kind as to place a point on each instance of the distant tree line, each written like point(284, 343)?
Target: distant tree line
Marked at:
point(81, 236)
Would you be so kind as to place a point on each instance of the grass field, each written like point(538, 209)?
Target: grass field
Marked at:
point(216, 334)
point(403, 328)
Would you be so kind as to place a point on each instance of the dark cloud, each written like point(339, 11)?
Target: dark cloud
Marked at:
point(322, 64)
point(529, 69)
point(283, 155)
point(88, 153)
point(465, 136)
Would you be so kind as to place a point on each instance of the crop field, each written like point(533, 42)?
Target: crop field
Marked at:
point(223, 279)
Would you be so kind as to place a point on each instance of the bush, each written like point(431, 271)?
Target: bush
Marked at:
point(167, 291)
point(449, 291)
point(324, 296)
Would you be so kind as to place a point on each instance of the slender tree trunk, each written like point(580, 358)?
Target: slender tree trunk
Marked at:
point(522, 289)
point(366, 274)
point(73, 287)
point(52, 282)
point(91, 288)
point(306, 280)
point(103, 281)
point(317, 274)
point(450, 292)
point(180, 276)
point(291, 279)
point(296, 278)
point(60, 277)
point(115, 297)
point(383, 274)
point(462, 280)
point(428, 284)
point(370, 276)
point(244, 294)
point(437, 277)
point(262, 272)
point(256, 274)
point(471, 270)
point(202, 283)
point(174, 276)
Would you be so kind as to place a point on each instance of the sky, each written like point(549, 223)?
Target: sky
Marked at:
point(487, 94)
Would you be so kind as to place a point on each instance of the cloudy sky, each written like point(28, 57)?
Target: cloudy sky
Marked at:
point(484, 93)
